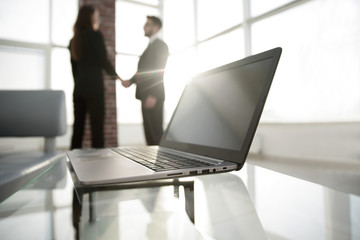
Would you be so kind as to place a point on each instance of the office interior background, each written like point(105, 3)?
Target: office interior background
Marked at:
point(313, 109)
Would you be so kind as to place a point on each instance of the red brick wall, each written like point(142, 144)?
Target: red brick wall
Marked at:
point(107, 27)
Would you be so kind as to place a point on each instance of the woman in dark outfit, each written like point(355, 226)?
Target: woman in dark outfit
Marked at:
point(88, 59)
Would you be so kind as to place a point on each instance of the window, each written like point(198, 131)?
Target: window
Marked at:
point(130, 43)
point(217, 16)
point(179, 70)
point(26, 21)
point(221, 50)
point(61, 77)
point(318, 78)
point(34, 38)
point(259, 7)
point(179, 28)
point(197, 41)
point(64, 13)
point(130, 19)
point(22, 68)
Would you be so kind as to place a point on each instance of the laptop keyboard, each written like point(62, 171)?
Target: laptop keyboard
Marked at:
point(159, 160)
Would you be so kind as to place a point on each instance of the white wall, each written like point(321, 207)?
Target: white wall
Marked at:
point(320, 141)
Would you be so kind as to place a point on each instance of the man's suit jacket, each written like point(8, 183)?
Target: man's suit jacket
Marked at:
point(149, 78)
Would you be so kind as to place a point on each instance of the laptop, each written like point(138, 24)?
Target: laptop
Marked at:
point(210, 132)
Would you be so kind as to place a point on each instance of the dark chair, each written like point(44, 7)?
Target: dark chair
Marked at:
point(29, 113)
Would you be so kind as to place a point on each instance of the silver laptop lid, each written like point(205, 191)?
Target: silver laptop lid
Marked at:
point(219, 110)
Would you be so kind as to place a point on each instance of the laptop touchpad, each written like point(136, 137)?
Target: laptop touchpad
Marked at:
point(105, 165)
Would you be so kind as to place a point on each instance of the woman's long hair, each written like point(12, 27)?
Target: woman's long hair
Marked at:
point(83, 22)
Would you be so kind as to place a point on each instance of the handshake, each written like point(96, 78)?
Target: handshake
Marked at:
point(150, 101)
point(125, 83)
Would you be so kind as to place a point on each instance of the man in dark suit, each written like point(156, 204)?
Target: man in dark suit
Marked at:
point(149, 81)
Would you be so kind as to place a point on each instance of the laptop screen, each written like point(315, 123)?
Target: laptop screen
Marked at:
point(219, 110)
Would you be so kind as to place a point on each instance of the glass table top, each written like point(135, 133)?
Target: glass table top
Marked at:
point(253, 203)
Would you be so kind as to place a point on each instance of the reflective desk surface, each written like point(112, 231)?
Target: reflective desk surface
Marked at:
point(253, 203)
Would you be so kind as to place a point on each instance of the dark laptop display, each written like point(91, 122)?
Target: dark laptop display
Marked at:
point(220, 109)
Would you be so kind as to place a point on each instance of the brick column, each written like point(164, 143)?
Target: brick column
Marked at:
point(107, 27)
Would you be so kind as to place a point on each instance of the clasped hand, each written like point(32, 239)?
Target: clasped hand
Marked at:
point(125, 83)
point(150, 101)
